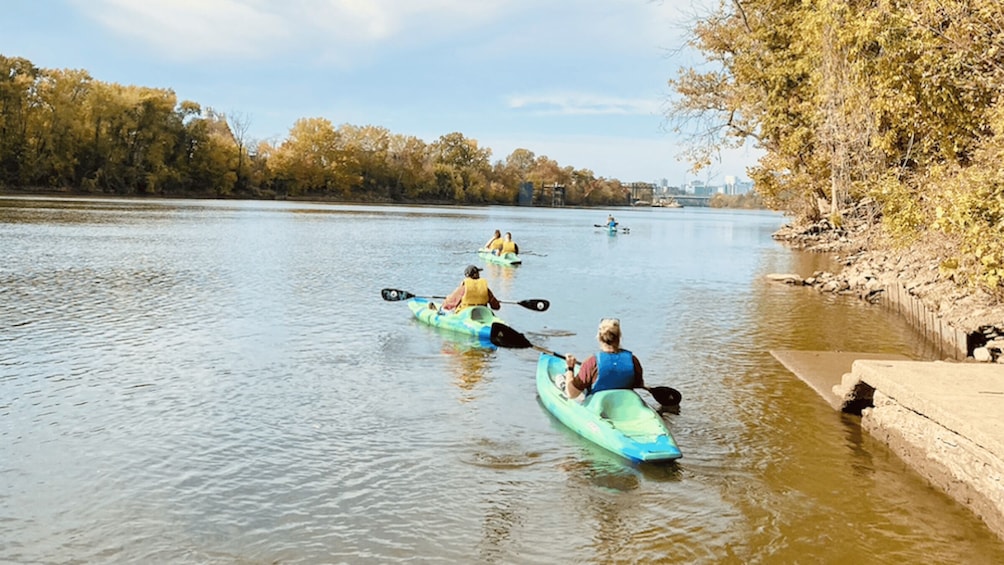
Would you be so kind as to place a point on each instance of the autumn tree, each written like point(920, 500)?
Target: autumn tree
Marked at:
point(313, 159)
point(896, 101)
point(461, 167)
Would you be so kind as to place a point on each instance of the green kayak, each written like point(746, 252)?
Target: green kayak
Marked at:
point(507, 259)
point(618, 420)
point(474, 320)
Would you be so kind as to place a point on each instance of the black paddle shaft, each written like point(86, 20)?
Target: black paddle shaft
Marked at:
point(396, 294)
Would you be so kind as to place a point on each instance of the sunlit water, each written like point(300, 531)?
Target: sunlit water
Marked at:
point(221, 382)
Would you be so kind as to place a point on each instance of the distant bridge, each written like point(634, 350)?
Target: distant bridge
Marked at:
point(692, 200)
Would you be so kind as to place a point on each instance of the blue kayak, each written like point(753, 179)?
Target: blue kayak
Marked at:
point(618, 420)
point(473, 320)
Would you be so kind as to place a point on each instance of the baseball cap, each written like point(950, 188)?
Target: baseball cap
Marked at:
point(471, 270)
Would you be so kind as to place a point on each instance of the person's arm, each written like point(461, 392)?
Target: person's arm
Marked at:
point(576, 385)
point(492, 301)
point(516, 248)
point(639, 379)
point(570, 389)
point(453, 300)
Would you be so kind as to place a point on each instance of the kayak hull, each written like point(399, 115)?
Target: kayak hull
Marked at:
point(475, 320)
point(617, 420)
point(506, 259)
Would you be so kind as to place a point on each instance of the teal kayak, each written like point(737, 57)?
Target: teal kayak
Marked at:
point(617, 420)
point(474, 320)
point(507, 259)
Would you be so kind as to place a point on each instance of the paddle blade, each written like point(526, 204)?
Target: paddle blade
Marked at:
point(394, 295)
point(537, 304)
point(667, 396)
point(503, 336)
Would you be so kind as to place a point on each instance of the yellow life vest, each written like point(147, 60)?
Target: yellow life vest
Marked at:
point(496, 244)
point(508, 247)
point(475, 293)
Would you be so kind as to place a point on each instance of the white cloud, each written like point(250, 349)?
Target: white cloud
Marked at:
point(578, 104)
point(183, 29)
point(332, 30)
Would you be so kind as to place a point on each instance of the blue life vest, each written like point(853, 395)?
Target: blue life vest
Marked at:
point(613, 371)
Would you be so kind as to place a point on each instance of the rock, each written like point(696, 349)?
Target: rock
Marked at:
point(870, 264)
point(982, 354)
point(786, 278)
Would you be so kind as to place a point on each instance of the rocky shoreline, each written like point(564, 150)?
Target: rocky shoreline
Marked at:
point(869, 266)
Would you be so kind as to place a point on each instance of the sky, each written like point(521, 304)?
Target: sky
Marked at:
point(583, 82)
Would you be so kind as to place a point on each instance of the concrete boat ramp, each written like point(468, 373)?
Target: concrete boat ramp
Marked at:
point(944, 419)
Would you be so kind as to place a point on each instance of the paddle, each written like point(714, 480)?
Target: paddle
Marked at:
point(504, 336)
point(394, 295)
point(608, 227)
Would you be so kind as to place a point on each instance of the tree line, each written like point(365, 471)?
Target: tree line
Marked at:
point(63, 130)
point(893, 107)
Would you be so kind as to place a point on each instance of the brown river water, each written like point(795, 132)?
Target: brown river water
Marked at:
point(221, 382)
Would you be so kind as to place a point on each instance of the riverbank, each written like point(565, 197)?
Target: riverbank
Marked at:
point(943, 419)
point(968, 322)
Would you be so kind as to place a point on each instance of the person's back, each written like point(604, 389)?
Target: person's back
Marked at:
point(608, 369)
point(508, 245)
point(614, 370)
point(495, 242)
point(473, 291)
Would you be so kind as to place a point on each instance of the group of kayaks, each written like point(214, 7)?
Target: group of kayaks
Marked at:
point(617, 420)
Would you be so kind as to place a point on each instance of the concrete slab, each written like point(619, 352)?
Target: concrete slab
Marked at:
point(965, 398)
point(822, 370)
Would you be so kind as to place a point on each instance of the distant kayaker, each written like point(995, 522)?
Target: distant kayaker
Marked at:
point(611, 222)
point(610, 368)
point(508, 245)
point(495, 242)
point(473, 291)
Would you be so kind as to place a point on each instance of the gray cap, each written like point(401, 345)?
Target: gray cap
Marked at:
point(471, 271)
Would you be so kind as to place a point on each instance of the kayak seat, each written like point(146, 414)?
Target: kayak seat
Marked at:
point(481, 314)
point(617, 404)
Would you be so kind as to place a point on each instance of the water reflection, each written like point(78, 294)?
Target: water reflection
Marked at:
point(466, 355)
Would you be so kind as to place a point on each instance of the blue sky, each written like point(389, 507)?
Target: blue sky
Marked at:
point(583, 82)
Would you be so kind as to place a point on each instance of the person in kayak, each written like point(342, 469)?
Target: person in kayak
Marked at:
point(508, 245)
point(495, 242)
point(611, 222)
point(473, 291)
point(610, 368)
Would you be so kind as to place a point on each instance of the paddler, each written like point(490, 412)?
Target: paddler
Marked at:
point(495, 243)
point(610, 368)
point(508, 245)
point(473, 291)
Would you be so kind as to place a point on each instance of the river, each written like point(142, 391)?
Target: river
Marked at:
point(221, 382)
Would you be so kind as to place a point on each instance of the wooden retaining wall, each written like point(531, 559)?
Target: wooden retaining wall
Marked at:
point(953, 342)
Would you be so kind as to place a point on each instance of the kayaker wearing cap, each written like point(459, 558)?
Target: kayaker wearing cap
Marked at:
point(473, 291)
point(610, 368)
